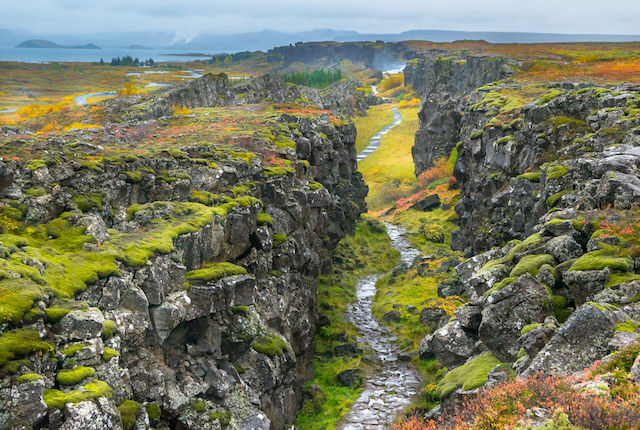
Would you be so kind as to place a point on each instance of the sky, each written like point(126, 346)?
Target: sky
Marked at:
point(192, 17)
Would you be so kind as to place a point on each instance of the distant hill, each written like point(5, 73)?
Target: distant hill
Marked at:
point(38, 43)
point(267, 39)
point(41, 43)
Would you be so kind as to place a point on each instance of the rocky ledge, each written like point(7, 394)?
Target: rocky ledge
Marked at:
point(550, 188)
point(162, 273)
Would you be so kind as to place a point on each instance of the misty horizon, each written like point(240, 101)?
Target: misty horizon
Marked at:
point(195, 17)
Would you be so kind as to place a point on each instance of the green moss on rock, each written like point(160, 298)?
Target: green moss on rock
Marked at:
point(29, 377)
point(215, 271)
point(470, 375)
point(629, 325)
point(224, 418)
point(600, 259)
point(552, 200)
point(526, 329)
point(153, 411)
point(56, 399)
point(18, 343)
point(279, 239)
point(313, 185)
point(476, 134)
point(621, 278)
point(109, 353)
point(264, 218)
point(523, 246)
point(73, 349)
point(240, 310)
point(74, 376)
point(108, 329)
point(556, 171)
point(270, 345)
point(129, 411)
point(531, 264)
point(198, 406)
point(531, 176)
point(278, 171)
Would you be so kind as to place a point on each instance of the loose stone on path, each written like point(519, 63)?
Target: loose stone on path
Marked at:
point(389, 390)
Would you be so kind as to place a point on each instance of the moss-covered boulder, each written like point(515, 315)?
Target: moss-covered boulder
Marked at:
point(581, 340)
point(508, 310)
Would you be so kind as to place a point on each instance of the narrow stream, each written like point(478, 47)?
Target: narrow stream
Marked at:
point(388, 390)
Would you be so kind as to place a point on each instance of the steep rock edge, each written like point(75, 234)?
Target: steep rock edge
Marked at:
point(551, 171)
point(442, 81)
point(218, 90)
point(231, 351)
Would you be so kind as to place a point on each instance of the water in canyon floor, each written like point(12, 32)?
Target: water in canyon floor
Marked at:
point(389, 390)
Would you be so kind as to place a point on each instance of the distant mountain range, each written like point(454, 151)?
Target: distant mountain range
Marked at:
point(40, 43)
point(266, 39)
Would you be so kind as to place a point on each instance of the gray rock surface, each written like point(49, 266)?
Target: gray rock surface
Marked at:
point(510, 309)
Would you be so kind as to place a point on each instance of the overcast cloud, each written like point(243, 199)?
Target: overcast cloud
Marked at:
point(191, 17)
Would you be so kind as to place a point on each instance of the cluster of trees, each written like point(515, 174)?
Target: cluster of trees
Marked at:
point(319, 78)
point(128, 60)
point(227, 59)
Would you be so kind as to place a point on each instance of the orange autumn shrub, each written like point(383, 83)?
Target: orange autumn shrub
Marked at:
point(393, 81)
point(441, 170)
point(35, 110)
point(50, 127)
point(414, 102)
point(180, 110)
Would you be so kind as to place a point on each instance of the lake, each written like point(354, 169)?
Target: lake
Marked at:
point(46, 55)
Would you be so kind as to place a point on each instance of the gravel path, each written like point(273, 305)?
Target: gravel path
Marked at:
point(375, 140)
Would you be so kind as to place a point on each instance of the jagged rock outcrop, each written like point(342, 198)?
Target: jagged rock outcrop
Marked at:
point(548, 212)
point(176, 287)
point(550, 153)
point(376, 55)
point(217, 90)
point(443, 80)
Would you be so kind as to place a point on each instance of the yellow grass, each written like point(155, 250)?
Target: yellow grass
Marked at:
point(377, 117)
point(389, 170)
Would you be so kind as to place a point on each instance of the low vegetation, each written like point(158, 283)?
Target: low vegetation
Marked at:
point(369, 251)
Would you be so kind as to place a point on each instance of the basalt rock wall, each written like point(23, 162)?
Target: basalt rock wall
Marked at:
point(179, 338)
point(443, 82)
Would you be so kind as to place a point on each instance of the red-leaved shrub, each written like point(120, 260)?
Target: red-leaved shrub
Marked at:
point(502, 406)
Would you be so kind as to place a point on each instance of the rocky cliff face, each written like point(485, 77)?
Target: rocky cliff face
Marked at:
point(377, 55)
point(217, 90)
point(515, 168)
point(169, 285)
point(549, 181)
point(443, 82)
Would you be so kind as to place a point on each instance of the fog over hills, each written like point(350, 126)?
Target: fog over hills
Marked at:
point(267, 39)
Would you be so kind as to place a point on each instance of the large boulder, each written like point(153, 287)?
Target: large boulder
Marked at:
point(584, 285)
point(563, 248)
point(82, 324)
point(451, 345)
point(519, 304)
point(98, 415)
point(582, 339)
point(469, 316)
point(23, 404)
point(428, 203)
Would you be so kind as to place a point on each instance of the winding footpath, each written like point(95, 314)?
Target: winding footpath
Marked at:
point(374, 143)
point(388, 390)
